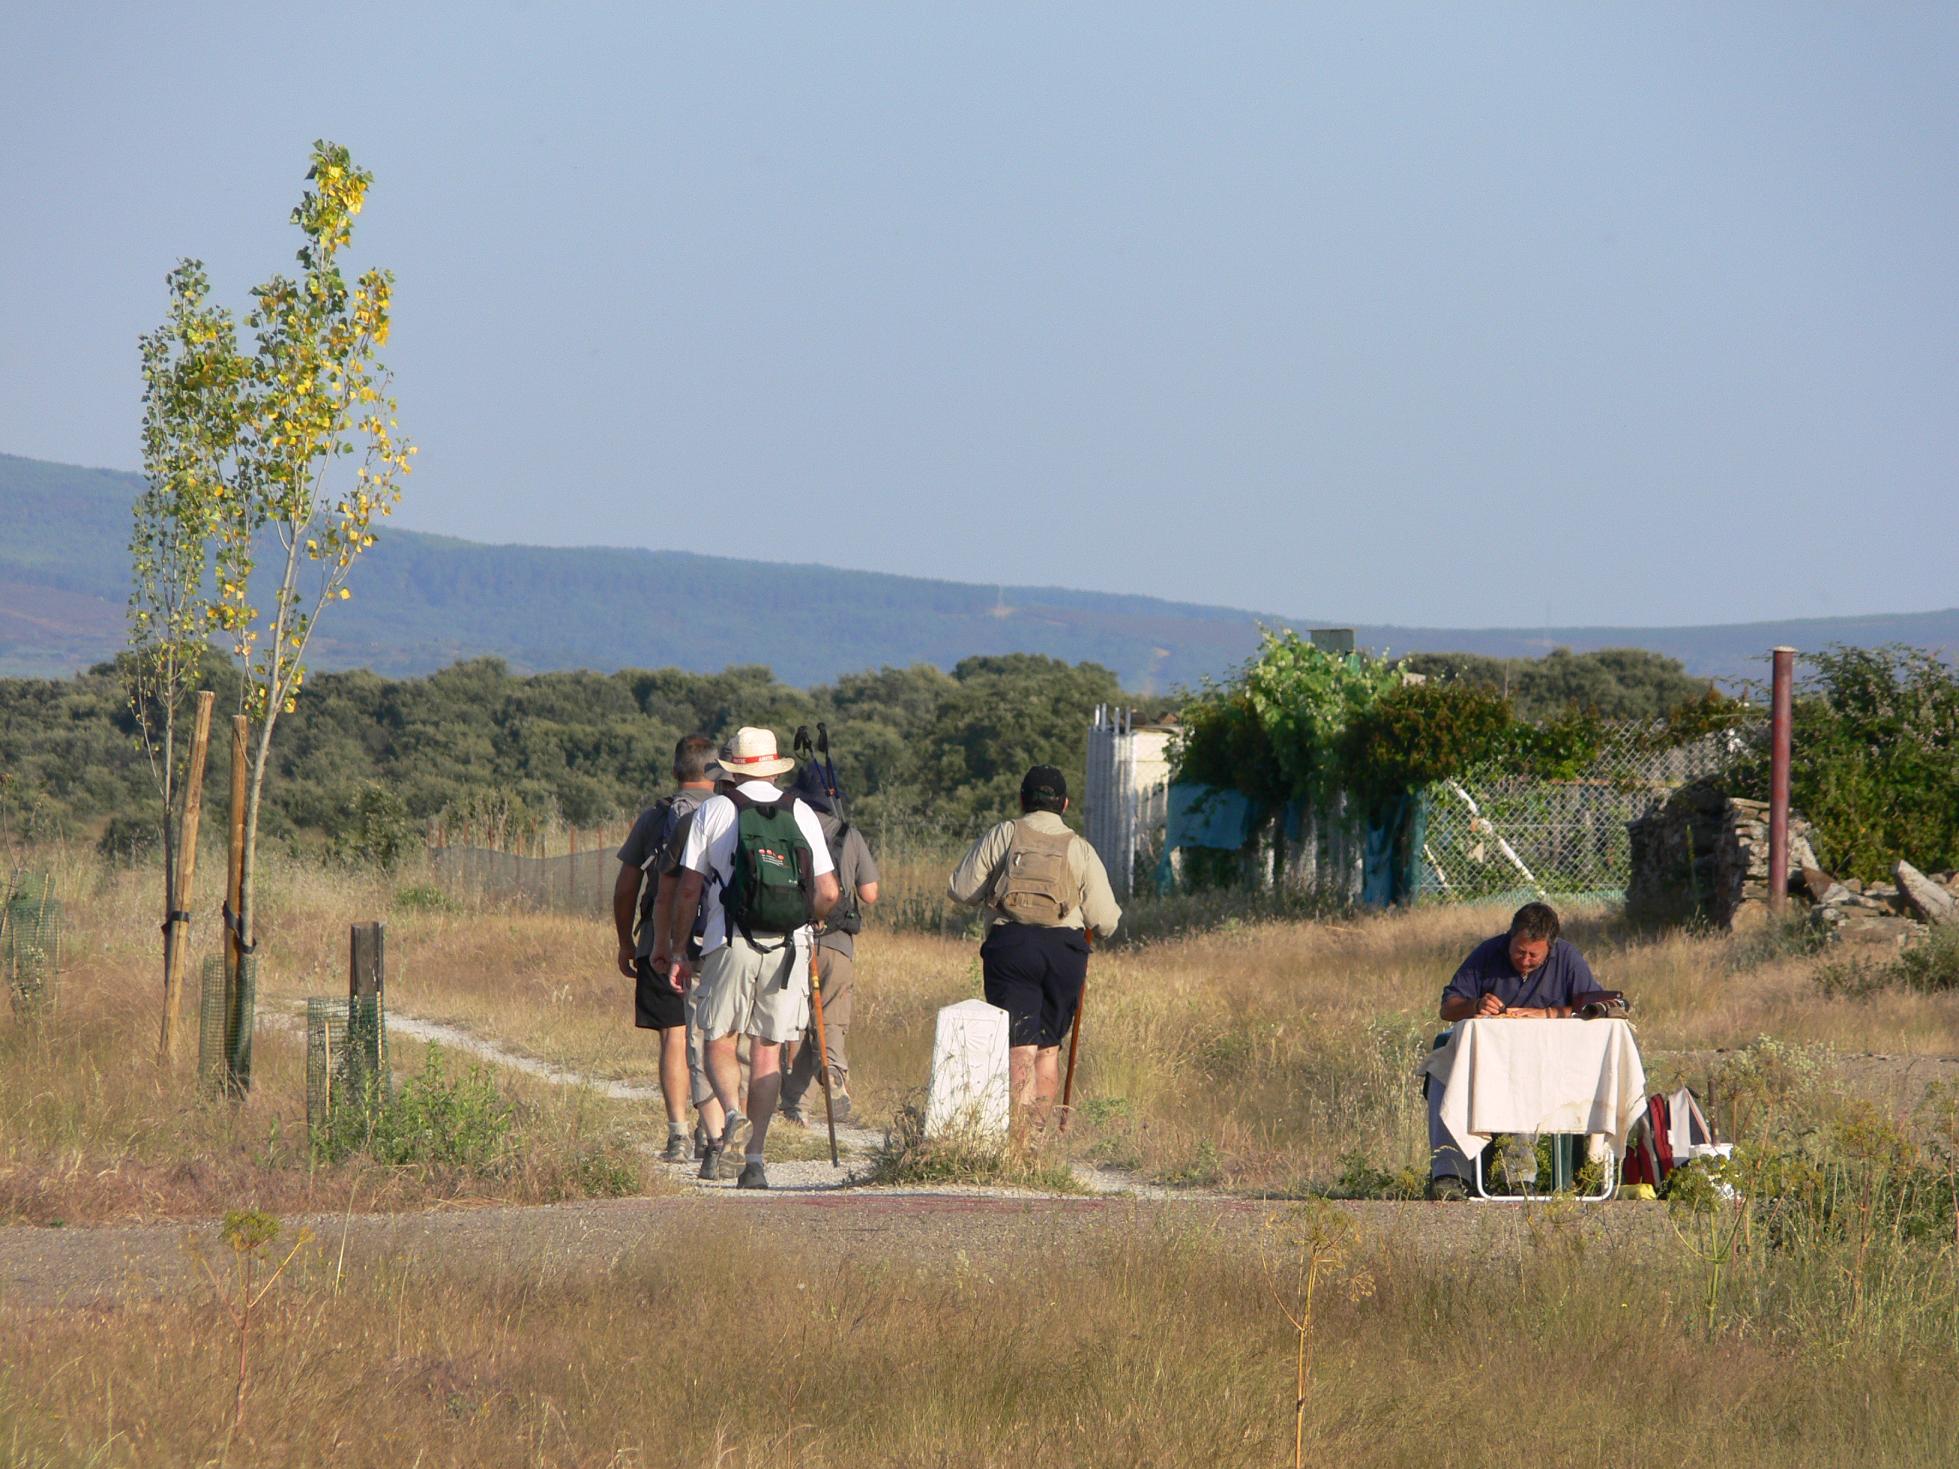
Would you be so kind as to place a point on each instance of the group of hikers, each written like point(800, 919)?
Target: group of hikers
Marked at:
point(740, 896)
point(737, 905)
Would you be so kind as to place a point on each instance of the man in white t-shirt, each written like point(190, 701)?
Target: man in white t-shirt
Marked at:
point(754, 981)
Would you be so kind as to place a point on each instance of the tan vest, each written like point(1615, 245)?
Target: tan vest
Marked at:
point(1036, 883)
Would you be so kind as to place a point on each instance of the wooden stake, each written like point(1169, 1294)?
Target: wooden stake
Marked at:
point(367, 974)
point(366, 960)
point(178, 930)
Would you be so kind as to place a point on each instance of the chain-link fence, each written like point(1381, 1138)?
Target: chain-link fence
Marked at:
point(30, 943)
point(1498, 833)
point(346, 1058)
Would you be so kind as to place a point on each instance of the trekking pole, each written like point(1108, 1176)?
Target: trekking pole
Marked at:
point(1075, 1041)
point(823, 1051)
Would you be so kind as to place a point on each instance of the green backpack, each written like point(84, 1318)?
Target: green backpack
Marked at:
point(774, 874)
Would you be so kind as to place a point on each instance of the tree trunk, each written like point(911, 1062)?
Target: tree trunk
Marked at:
point(237, 1007)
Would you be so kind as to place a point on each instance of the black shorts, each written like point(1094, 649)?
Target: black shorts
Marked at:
point(1035, 975)
point(656, 1004)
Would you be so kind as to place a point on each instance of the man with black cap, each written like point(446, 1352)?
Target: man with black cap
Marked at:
point(1042, 886)
point(836, 954)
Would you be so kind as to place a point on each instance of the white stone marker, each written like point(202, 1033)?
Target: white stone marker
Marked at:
point(968, 1091)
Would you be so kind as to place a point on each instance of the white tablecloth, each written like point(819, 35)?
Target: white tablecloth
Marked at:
point(1537, 1076)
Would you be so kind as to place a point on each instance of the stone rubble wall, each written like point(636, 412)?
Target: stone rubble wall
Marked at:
point(1703, 855)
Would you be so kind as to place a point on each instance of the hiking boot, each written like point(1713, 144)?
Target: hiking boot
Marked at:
point(734, 1136)
point(1446, 1188)
point(796, 1115)
point(840, 1107)
point(711, 1165)
point(700, 1144)
point(753, 1175)
point(678, 1150)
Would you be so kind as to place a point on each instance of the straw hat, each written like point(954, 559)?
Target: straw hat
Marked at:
point(751, 755)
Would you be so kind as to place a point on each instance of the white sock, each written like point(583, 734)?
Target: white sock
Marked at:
point(751, 1157)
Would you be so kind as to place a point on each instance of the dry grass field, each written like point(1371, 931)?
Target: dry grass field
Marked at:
point(1259, 1058)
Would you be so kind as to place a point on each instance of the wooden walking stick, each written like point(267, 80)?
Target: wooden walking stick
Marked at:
point(823, 1051)
point(1075, 1041)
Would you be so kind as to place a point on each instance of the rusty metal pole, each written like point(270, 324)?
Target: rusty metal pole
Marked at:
point(1781, 711)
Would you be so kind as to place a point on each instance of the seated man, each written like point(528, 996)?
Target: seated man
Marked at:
point(1528, 973)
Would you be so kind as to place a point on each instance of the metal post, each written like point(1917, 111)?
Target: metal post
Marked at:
point(1781, 701)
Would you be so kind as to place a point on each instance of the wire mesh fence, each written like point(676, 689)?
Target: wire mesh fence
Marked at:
point(346, 1058)
point(30, 943)
point(224, 1026)
point(577, 882)
point(1498, 833)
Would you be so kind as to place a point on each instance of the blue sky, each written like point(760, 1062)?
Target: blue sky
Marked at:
point(1496, 315)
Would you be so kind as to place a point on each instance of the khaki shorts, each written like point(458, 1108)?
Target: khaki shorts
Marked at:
point(749, 991)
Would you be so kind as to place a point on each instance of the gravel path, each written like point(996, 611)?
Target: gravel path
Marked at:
point(812, 1207)
point(787, 1175)
point(90, 1269)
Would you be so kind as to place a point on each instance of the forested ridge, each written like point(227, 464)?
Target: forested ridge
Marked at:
point(364, 763)
point(483, 750)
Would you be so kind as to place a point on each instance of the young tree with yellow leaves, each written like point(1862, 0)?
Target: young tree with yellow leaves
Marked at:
point(315, 462)
point(193, 376)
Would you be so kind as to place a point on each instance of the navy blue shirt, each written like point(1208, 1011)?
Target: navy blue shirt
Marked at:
point(1563, 975)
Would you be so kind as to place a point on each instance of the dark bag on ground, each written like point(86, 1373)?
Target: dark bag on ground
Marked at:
point(770, 889)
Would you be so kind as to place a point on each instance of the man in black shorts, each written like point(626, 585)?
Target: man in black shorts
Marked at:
point(1042, 886)
point(657, 1005)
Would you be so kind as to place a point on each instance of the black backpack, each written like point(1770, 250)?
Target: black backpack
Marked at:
point(845, 916)
point(673, 809)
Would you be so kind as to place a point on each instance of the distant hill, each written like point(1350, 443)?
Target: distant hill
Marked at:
point(421, 602)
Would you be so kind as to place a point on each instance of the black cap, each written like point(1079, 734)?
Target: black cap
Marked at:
point(1043, 787)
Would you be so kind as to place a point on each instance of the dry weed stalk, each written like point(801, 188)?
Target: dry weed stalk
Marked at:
point(247, 1232)
point(1309, 1248)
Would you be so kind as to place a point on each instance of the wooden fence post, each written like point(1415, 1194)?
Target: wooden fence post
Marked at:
point(367, 960)
point(367, 973)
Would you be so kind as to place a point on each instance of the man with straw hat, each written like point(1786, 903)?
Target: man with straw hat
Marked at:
point(756, 863)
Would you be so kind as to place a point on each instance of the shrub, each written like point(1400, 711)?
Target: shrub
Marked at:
point(1927, 968)
point(1933, 966)
point(1878, 773)
point(907, 1155)
point(604, 1170)
point(1789, 937)
point(425, 898)
point(437, 1119)
point(1361, 1178)
point(375, 832)
point(129, 840)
